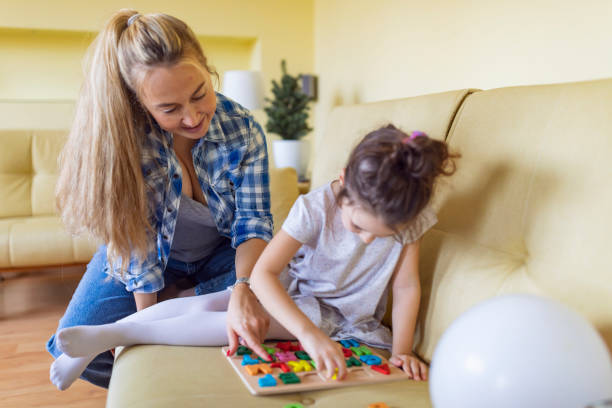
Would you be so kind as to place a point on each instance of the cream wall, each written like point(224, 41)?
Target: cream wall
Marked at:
point(42, 42)
point(368, 51)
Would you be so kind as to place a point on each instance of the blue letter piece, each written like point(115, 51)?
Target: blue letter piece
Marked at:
point(267, 381)
point(371, 359)
point(248, 360)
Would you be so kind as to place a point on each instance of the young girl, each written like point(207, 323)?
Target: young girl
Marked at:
point(348, 242)
point(325, 275)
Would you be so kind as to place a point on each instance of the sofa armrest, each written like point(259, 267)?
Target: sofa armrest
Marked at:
point(283, 193)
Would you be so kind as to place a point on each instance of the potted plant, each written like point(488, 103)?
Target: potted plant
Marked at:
point(287, 117)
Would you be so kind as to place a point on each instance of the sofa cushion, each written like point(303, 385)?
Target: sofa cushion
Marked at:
point(165, 376)
point(28, 171)
point(15, 173)
point(46, 147)
point(40, 241)
point(529, 208)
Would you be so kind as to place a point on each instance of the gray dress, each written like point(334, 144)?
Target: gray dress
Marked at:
point(339, 282)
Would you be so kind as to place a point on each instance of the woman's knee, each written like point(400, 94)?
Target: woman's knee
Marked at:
point(96, 300)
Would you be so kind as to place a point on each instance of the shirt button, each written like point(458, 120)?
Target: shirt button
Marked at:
point(169, 209)
point(165, 237)
point(175, 175)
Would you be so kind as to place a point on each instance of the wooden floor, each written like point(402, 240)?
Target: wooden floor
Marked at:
point(30, 306)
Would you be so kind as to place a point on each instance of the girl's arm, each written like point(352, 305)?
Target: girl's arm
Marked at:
point(406, 299)
point(266, 285)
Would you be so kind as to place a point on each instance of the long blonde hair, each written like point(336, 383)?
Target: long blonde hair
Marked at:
point(101, 188)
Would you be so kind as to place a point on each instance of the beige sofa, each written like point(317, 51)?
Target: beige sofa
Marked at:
point(527, 211)
point(31, 233)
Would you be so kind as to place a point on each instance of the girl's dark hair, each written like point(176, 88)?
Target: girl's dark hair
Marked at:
point(392, 173)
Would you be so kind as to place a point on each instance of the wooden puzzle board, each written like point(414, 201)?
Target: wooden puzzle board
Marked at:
point(311, 380)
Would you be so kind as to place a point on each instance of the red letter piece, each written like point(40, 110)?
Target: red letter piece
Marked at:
point(383, 369)
point(284, 367)
point(347, 352)
point(284, 345)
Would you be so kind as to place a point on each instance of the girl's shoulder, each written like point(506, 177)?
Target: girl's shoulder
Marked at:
point(316, 208)
point(321, 198)
point(309, 215)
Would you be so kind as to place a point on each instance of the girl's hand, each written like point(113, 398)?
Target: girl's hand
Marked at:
point(411, 364)
point(325, 352)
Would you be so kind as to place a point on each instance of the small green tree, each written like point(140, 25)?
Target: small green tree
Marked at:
point(288, 109)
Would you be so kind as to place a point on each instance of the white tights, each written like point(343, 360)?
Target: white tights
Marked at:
point(187, 321)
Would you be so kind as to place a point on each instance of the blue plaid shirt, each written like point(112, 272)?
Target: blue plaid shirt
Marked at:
point(231, 163)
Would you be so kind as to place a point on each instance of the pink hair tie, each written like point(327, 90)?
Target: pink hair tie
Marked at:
point(417, 133)
point(413, 135)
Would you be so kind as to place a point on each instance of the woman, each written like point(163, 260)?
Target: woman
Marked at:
point(171, 176)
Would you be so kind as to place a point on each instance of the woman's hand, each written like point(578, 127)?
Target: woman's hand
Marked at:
point(248, 320)
point(325, 352)
point(411, 364)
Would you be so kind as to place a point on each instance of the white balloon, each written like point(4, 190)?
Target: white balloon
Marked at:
point(520, 351)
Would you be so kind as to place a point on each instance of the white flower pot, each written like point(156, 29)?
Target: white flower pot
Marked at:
point(291, 153)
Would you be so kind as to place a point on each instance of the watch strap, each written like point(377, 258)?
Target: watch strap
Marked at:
point(238, 282)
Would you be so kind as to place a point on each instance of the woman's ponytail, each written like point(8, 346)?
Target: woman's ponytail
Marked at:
point(101, 188)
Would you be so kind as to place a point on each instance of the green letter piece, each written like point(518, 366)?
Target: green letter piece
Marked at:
point(302, 355)
point(242, 350)
point(353, 362)
point(289, 378)
point(361, 350)
point(269, 350)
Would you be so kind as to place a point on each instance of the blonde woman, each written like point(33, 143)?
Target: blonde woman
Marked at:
point(170, 175)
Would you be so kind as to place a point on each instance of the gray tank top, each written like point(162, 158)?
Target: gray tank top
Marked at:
point(195, 234)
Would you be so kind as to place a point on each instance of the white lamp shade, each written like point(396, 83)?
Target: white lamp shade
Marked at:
point(244, 87)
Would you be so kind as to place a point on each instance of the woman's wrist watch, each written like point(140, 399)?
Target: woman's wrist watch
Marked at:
point(238, 282)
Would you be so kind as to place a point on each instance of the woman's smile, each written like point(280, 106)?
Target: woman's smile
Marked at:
point(197, 128)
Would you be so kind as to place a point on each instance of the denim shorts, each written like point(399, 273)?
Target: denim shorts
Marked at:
point(99, 300)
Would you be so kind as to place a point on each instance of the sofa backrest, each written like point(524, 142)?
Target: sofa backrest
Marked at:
point(529, 209)
point(347, 125)
point(28, 171)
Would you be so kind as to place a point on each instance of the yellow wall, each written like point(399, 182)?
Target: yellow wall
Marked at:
point(361, 50)
point(41, 64)
point(368, 51)
point(42, 42)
